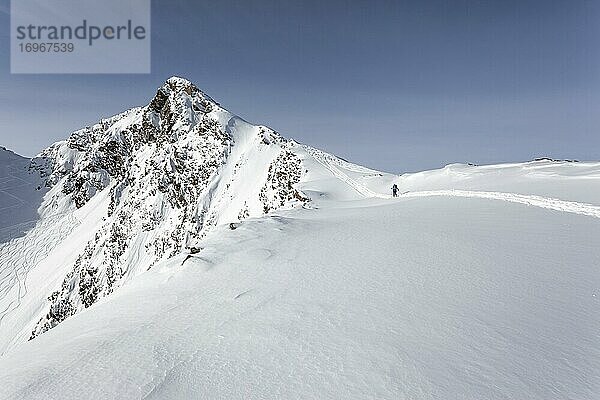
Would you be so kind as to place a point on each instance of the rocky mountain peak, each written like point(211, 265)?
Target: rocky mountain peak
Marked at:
point(182, 89)
point(170, 171)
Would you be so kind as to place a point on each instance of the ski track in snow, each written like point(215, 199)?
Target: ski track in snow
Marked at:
point(21, 255)
point(335, 165)
point(12, 178)
point(572, 207)
point(13, 231)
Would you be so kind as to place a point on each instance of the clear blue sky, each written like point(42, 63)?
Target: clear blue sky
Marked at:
point(399, 85)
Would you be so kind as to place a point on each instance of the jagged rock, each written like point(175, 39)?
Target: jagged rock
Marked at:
point(279, 189)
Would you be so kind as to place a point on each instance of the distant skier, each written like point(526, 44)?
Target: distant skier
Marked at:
point(395, 190)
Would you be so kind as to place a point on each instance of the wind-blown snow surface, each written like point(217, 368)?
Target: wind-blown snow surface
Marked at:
point(418, 298)
point(477, 283)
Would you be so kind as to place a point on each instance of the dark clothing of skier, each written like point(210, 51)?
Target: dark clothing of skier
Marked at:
point(395, 190)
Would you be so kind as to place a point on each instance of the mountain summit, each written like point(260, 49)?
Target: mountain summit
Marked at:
point(159, 178)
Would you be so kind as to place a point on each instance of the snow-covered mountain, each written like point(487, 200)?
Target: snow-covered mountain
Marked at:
point(138, 188)
point(176, 251)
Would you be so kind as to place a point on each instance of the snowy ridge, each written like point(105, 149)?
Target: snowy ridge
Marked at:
point(335, 166)
point(338, 166)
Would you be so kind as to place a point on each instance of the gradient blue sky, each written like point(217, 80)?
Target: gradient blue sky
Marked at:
point(399, 85)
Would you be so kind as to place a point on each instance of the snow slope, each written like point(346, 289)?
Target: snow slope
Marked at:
point(420, 298)
point(19, 197)
point(177, 251)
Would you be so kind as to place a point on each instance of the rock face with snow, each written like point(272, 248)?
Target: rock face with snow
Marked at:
point(171, 170)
